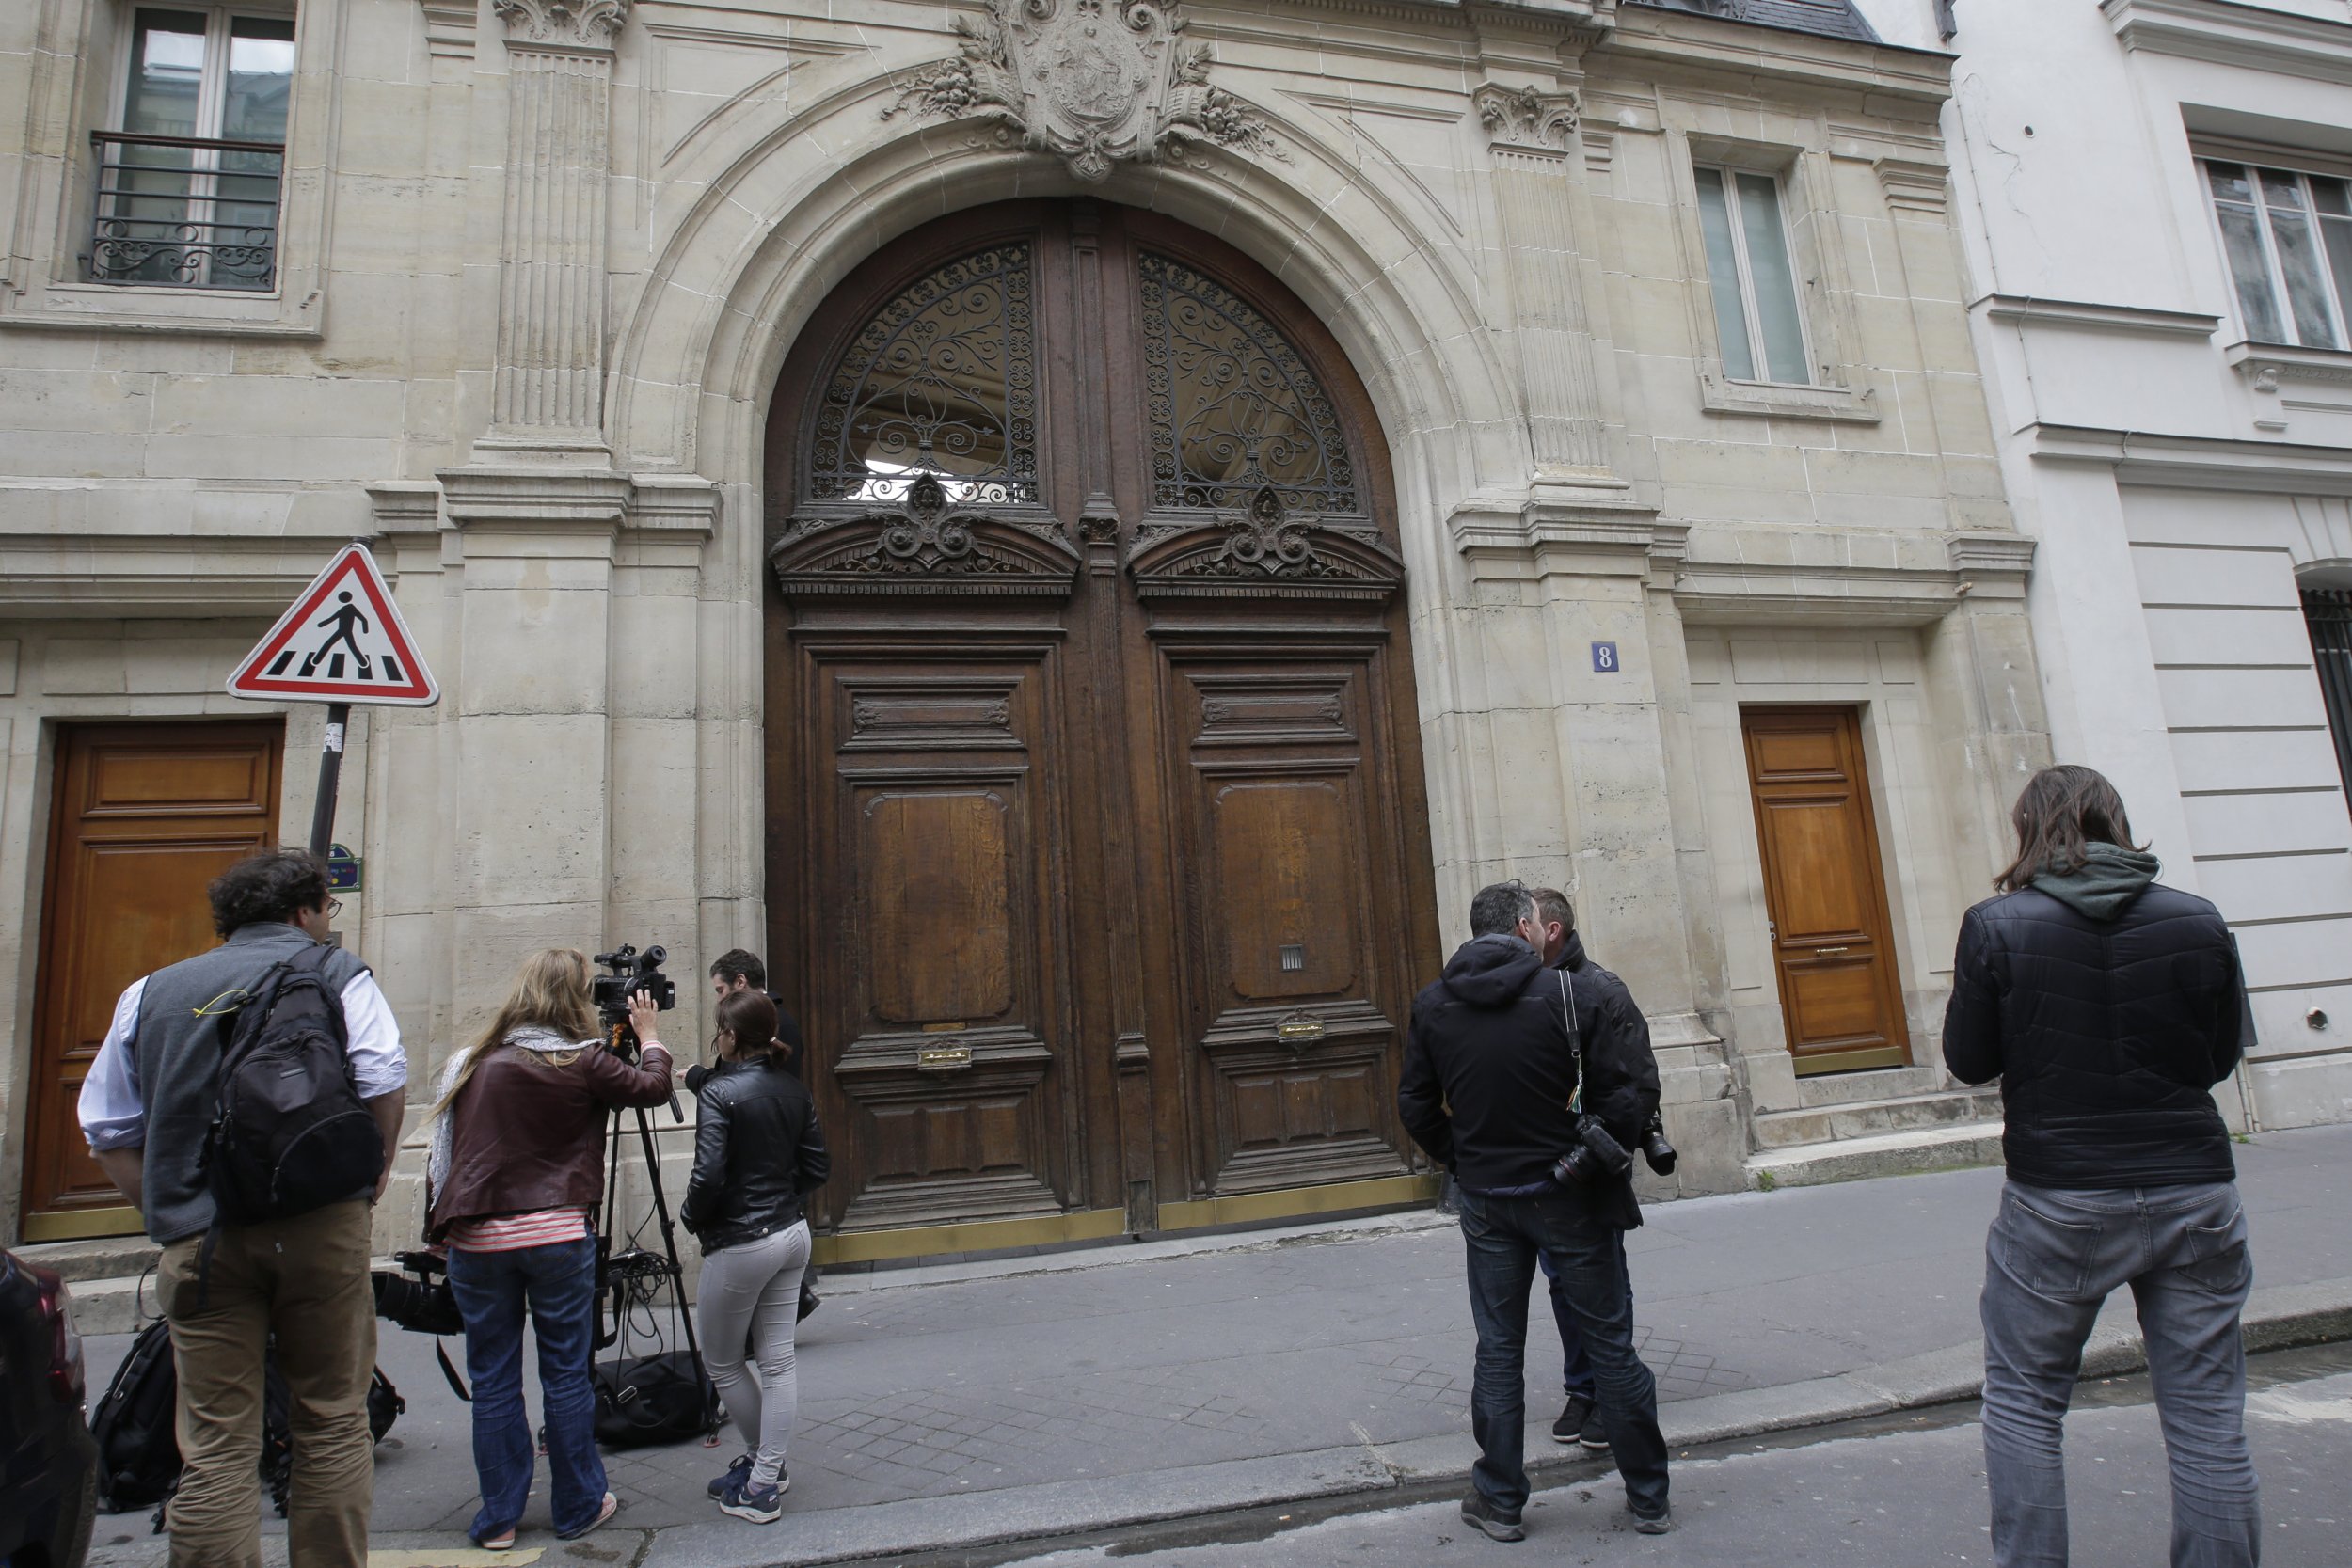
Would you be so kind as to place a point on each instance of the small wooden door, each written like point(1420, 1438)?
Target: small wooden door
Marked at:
point(1824, 890)
point(1097, 845)
point(143, 815)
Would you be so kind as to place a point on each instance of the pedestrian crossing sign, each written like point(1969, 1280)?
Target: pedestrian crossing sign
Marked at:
point(342, 641)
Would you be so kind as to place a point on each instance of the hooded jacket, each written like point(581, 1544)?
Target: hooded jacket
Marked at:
point(2107, 1004)
point(1489, 1068)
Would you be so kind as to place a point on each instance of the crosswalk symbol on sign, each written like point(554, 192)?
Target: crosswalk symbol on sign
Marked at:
point(342, 641)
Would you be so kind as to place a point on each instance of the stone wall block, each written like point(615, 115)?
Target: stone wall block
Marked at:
point(531, 823)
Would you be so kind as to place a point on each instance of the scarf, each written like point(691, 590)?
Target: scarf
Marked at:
point(530, 1038)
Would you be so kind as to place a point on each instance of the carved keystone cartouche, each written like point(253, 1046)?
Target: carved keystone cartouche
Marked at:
point(1094, 82)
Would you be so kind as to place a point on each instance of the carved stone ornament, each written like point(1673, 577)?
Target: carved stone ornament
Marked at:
point(1522, 117)
point(1262, 552)
point(923, 546)
point(582, 24)
point(1094, 82)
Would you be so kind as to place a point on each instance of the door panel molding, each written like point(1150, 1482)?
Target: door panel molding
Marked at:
point(143, 813)
point(1824, 888)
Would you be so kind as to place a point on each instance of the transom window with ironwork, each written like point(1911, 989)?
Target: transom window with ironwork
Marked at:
point(942, 381)
point(190, 183)
point(1233, 408)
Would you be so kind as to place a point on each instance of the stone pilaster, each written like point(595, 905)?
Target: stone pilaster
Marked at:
point(1531, 136)
point(548, 392)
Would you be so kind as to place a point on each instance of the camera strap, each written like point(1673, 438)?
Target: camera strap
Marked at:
point(1576, 1039)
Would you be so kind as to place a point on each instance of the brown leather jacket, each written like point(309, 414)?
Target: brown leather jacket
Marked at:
point(527, 1133)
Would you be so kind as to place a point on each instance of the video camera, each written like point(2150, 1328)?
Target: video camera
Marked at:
point(417, 1297)
point(631, 971)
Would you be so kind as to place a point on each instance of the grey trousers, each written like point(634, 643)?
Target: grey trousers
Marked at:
point(2050, 1259)
point(749, 1303)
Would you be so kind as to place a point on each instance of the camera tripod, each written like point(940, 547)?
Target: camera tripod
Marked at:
point(636, 1278)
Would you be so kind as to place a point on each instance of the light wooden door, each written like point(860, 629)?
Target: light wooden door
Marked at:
point(1824, 889)
point(1097, 844)
point(143, 815)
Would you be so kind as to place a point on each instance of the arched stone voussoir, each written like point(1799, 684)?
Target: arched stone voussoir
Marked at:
point(770, 237)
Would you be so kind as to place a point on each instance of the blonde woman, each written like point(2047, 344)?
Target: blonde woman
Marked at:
point(516, 1166)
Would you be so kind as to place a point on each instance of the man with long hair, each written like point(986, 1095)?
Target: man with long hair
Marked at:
point(2108, 1006)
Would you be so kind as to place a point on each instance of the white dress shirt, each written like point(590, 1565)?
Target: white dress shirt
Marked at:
point(114, 1116)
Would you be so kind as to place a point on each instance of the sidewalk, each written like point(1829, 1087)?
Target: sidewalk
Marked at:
point(988, 1401)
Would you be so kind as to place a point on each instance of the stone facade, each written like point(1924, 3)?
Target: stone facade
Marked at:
point(542, 262)
point(2183, 483)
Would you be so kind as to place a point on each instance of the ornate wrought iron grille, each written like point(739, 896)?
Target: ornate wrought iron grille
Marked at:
point(942, 381)
point(1233, 408)
point(185, 212)
point(2329, 610)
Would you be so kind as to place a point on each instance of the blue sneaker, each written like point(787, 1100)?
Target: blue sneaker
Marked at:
point(738, 1473)
point(761, 1505)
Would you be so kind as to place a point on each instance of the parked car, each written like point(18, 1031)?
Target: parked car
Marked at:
point(47, 1464)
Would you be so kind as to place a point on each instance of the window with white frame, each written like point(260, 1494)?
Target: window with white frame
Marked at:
point(2287, 235)
point(189, 183)
point(1753, 278)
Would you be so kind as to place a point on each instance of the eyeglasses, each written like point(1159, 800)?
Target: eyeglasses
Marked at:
point(334, 907)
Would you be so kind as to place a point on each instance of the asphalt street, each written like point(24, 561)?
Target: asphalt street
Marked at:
point(1909, 1495)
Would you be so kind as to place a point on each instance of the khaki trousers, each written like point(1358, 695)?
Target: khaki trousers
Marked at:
point(307, 1280)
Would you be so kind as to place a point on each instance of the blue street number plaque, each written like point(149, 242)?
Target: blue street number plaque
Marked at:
point(1605, 658)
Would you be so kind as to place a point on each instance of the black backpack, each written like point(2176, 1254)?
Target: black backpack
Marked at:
point(139, 1445)
point(139, 1452)
point(290, 1133)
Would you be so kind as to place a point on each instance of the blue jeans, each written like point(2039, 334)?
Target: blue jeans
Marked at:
point(2050, 1259)
point(1503, 1237)
point(559, 1285)
point(1576, 1368)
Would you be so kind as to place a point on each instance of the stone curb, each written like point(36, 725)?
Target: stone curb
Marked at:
point(2276, 1318)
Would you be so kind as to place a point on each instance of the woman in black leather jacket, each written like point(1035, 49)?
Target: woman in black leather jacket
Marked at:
point(756, 1149)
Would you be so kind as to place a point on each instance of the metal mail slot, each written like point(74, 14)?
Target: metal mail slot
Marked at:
point(943, 1059)
point(1299, 1031)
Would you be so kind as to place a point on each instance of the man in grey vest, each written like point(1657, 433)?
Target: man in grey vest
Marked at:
point(150, 1097)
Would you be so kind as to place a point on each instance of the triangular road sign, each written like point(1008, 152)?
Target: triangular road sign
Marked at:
point(342, 641)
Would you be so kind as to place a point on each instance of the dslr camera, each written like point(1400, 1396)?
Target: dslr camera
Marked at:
point(1656, 1151)
point(417, 1297)
point(630, 972)
point(1596, 1155)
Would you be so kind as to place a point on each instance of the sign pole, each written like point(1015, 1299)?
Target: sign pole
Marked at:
point(330, 774)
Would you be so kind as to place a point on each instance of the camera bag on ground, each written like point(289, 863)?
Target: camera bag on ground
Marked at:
point(291, 1134)
point(647, 1400)
point(139, 1452)
point(138, 1443)
point(385, 1406)
point(664, 1396)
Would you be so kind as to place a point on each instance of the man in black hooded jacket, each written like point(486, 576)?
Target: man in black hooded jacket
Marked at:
point(1490, 1071)
point(2108, 1005)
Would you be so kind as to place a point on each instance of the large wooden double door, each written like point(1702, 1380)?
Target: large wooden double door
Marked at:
point(1098, 856)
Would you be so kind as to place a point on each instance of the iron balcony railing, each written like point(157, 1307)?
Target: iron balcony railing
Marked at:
point(185, 212)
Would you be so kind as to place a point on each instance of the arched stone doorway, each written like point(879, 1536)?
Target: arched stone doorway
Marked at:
point(1098, 856)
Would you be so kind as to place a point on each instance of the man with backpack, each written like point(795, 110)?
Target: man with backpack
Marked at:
point(247, 1100)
